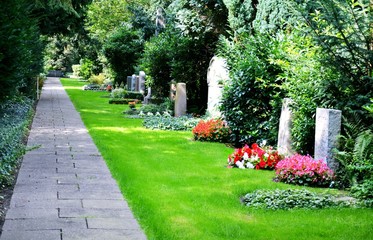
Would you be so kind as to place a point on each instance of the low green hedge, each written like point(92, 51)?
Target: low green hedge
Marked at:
point(134, 95)
point(183, 123)
point(122, 100)
point(15, 117)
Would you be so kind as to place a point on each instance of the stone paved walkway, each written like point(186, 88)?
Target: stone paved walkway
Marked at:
point(64, 189)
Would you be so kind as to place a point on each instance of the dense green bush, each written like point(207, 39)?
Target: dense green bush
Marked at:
point(20, 49)
point(156, 61)
point(134, 95)
point(304, 77)
point(122, 50)
point(342, 30)
point(118, 93)
point(86, 68)
point(122, 100)
point(15, 117)
point(289, 199)
point(97, 79)
point(252, 99)
point(166, 122)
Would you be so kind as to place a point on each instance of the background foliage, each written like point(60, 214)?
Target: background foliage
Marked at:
point(252, 99)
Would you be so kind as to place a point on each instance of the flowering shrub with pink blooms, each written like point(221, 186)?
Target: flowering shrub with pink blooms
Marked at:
point(304, 170)
point(254, 157)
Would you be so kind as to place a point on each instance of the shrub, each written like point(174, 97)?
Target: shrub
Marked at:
point(122, 50)
point(122, 101)
point(289, 199)
point(118, 93)
point(215, 130)
point(15, 116)
point(86, 68)
point(134, 95)
point(252, 99)
point(364, 192)
point(166, 122)
point(97, 79)
point(304, 170)
point(254, 157)
point(76, 69)
point(154, 108)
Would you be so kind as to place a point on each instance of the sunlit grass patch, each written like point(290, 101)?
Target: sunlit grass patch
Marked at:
point(181, 189)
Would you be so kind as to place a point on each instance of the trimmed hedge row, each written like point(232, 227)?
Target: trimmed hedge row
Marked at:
point(123, 101)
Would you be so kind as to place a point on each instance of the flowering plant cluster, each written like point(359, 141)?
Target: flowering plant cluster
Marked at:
point(304, 170)
point(215, 130)
point(254, 157)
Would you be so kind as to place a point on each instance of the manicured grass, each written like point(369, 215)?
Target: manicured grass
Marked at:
point(181, 189)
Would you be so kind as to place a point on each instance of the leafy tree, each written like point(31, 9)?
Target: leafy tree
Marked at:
point(59, 16)
point(122, 50)
point(156, 62)
point(343, 29)
point(103, 17)
point(250, 16)
point(20, 48)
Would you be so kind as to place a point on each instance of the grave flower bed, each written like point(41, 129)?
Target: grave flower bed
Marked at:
point(254, 157)
point(215, 130)
point(304, 170)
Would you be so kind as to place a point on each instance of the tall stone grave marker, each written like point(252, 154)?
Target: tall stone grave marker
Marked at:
point(133, 83)
point(129, 83)
point(328, 127)
point(284, 132)
point(142, 77)
point(173, 91)
point(217, 74)
point(180, 100)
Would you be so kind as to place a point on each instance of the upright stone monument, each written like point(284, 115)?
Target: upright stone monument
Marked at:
point(180, 100)
point(173, 91)
point(284, 132)
point(328, 127)
point(142, 77)
point(129, 83)
point(148, 96)
point(217, 74)
point(133, 83)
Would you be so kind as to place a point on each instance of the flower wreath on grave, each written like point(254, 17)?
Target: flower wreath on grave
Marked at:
point(255, 157)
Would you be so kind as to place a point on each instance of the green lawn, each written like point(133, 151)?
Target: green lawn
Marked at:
point(181, 189)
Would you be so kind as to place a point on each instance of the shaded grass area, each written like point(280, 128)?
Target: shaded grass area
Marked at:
point(181, 189)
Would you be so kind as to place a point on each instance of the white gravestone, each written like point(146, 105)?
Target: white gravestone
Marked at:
point(328, 127)
point(180, 100)
point(217, 74)
point(142, 77)
point(284, 131)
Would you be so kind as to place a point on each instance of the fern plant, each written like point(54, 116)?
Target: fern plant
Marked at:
point(356, 159)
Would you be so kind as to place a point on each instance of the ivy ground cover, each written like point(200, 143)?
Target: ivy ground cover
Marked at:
point(182, 189)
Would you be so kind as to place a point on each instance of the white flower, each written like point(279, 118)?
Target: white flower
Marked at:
point(157, 114)
point(254, 158)
point(246, 156)
point(249, 165)
point(266, 155)
point(166, 114)
point(141, 114)
point(239, 164)
point(150, 114)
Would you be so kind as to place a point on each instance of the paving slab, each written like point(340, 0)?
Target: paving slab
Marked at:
point(32, 235)
point(64, 189)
